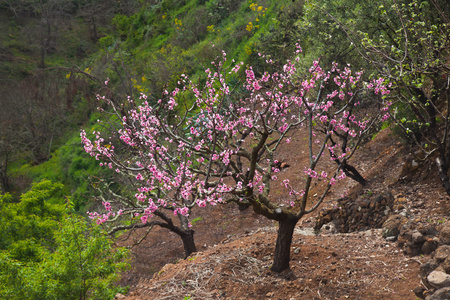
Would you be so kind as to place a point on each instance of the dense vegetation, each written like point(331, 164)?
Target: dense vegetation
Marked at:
point(48, 252)
point(56, 55)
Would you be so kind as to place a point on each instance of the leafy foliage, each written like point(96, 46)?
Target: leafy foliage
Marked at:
point(27, 227)
point(414, 55)
point(48, 253)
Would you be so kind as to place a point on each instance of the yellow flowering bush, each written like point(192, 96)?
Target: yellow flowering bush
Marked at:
point(261, 13)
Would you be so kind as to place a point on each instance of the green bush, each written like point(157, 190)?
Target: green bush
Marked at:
point(48, 253)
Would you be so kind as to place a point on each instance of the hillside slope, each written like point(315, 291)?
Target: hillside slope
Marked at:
point(235, 260)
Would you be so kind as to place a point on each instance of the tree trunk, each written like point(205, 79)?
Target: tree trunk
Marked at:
point(4, 175)
point(188, 242)
point(443, 169)
point(42, 62)
point(4, 181)
point(283, 246)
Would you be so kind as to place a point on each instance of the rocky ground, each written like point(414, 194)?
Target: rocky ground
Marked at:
point(386, 240)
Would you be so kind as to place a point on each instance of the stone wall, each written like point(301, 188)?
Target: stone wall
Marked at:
point(366, 212)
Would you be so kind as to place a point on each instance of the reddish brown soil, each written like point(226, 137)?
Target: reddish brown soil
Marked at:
point(236, 247)
point(351, 266)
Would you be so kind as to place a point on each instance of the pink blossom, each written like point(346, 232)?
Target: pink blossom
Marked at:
point(204, 157)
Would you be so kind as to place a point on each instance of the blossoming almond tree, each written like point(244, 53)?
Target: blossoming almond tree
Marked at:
point(225, 147)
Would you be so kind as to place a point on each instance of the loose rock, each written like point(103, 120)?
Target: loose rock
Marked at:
point(441, 294)
point(428, 267)
point(392, 225)
point(444, 236)
point(429, 246)
point(446, 265)
point(419, 291)
point(417, 237)
point(442, 253)
point(439, 279)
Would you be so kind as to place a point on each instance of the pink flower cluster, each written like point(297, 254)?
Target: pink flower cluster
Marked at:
point(201, 158)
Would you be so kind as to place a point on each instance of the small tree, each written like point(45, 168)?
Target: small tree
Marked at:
point(224, 146)
point(413, 54)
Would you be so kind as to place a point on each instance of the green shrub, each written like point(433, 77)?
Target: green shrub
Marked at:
point(48, 253)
